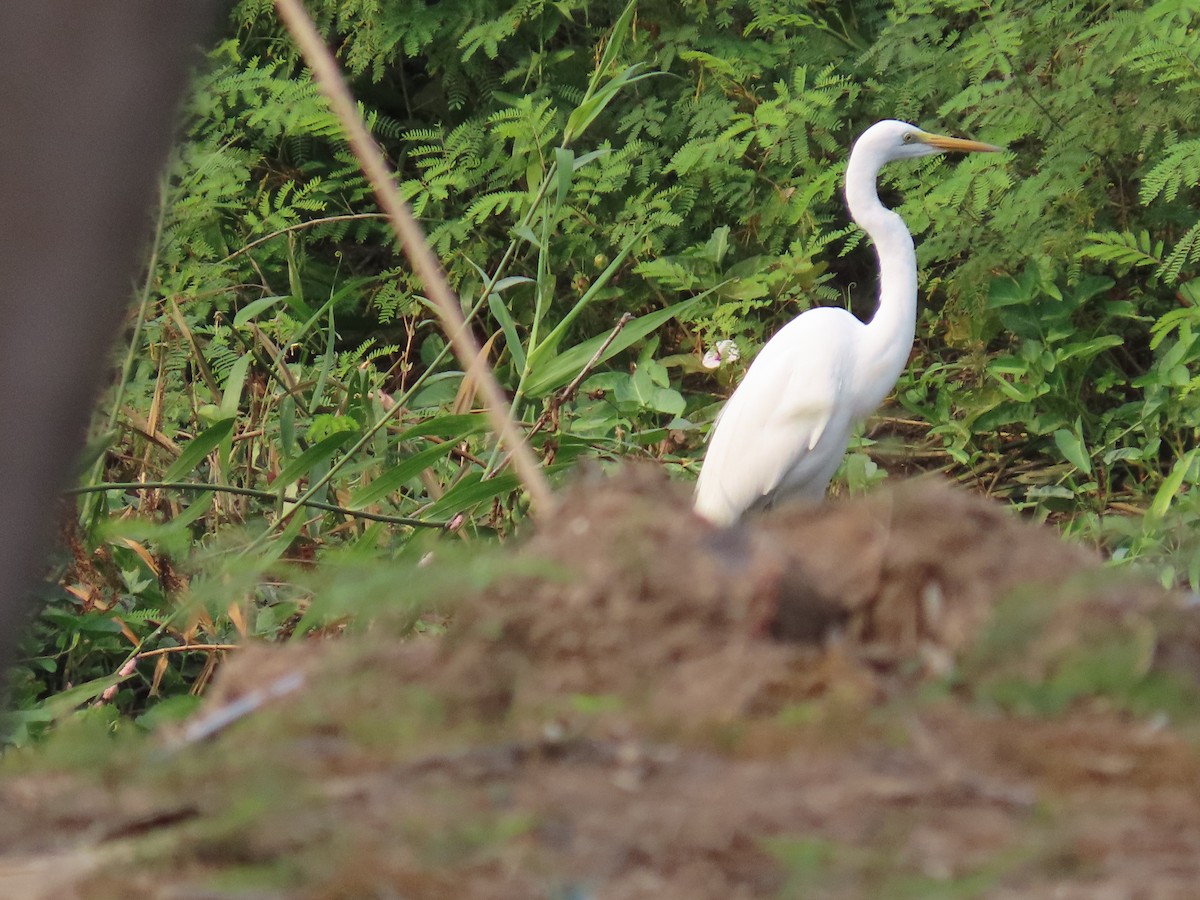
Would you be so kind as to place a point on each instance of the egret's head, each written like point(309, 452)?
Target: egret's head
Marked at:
point(890, 140)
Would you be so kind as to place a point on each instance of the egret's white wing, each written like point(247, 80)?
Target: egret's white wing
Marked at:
point(770, 433)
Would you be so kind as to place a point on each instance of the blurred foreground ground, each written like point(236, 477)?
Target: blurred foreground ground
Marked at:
point(912, 694)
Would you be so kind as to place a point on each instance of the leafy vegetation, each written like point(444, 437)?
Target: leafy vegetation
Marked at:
point(612, 189)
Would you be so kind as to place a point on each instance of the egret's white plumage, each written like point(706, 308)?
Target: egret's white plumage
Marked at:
point(787, 426)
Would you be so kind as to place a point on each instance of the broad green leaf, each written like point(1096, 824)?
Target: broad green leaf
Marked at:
point(199, 505)
point(525, 233)
point(586, 112)
point(1050, 492)
point(453, 427)
point(235, 381)
point(718, 245)
point(173, 536)
point(643, 390)
point(395, 478)
point(65, 701)
point(564, 161)
point(559, 370)
point(549, 346)
point(669, 401)
point(595, 100)
point(637, 389)
point(437, 391)
point(620, 31)
point(1013, 391)
point(253, 308)
point(1008, 365)
point(1088, 288)
point(1073, 450)
point(1120, 454)
point(198, 448)
point(320, 452)
point(578, 162)
point(352, 287)
point(278, 545)
point(1165, 495)
point(1088, 349)
point(1005, 290)
point(471, 491)
point(505, 283)
point(96, 448)
point(1190, 291)
point(287, 425)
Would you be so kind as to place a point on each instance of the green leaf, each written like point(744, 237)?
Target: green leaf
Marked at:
point(471, 491)
point(397, 477)
point(594, 100)
point(525, 233)
point(234, 382)
point(453, 427)
point(1165, 495)
point(253, 308)
point(1006, 290)
point(620, 30)
point(1014, 391)
point(287, 425)
point(578, 162)
point(1088, 349)
point(198, 448)
point(586, 112)
point(320, 452)
point(318, 391)
point(557, 371)
point(511, 338)
point(1071, 447)
point(549, 346)
point(1190, 291)
point(564, 161)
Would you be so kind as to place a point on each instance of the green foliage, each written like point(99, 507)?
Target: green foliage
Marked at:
point(677, 163)
point(1043, 654)
point(1064, 338)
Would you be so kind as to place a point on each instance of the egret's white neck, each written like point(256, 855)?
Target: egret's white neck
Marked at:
point(889, 334)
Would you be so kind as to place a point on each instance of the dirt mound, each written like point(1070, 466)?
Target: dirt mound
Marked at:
point(643, 706)
point(648, 602)
point(917, 566)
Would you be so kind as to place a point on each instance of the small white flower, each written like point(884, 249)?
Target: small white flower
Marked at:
point(724, 352)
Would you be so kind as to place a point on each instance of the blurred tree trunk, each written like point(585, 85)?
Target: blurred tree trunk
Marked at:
point(87, 101)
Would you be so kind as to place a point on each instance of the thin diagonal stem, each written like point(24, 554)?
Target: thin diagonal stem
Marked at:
point(412, 240)
point(252, 492)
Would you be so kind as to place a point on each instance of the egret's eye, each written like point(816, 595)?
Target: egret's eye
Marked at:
point(908, 137)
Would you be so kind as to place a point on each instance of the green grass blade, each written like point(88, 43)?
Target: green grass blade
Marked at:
point(326, 364)
point(548, 347)
point(555, 372)
point(318, 453)
point(252, 309)
point(511, 338)
point(198, 448)
point(399, 476)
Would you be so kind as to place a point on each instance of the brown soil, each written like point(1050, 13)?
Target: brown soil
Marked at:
point(911, 694)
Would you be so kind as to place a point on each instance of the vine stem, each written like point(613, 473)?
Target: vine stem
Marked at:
point(425, 265)
point(307, 223)
point(251, 492)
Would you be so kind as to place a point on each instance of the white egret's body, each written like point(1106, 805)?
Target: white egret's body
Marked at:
point(786, 428)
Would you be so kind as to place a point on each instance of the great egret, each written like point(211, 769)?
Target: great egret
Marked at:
point(787, 426)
